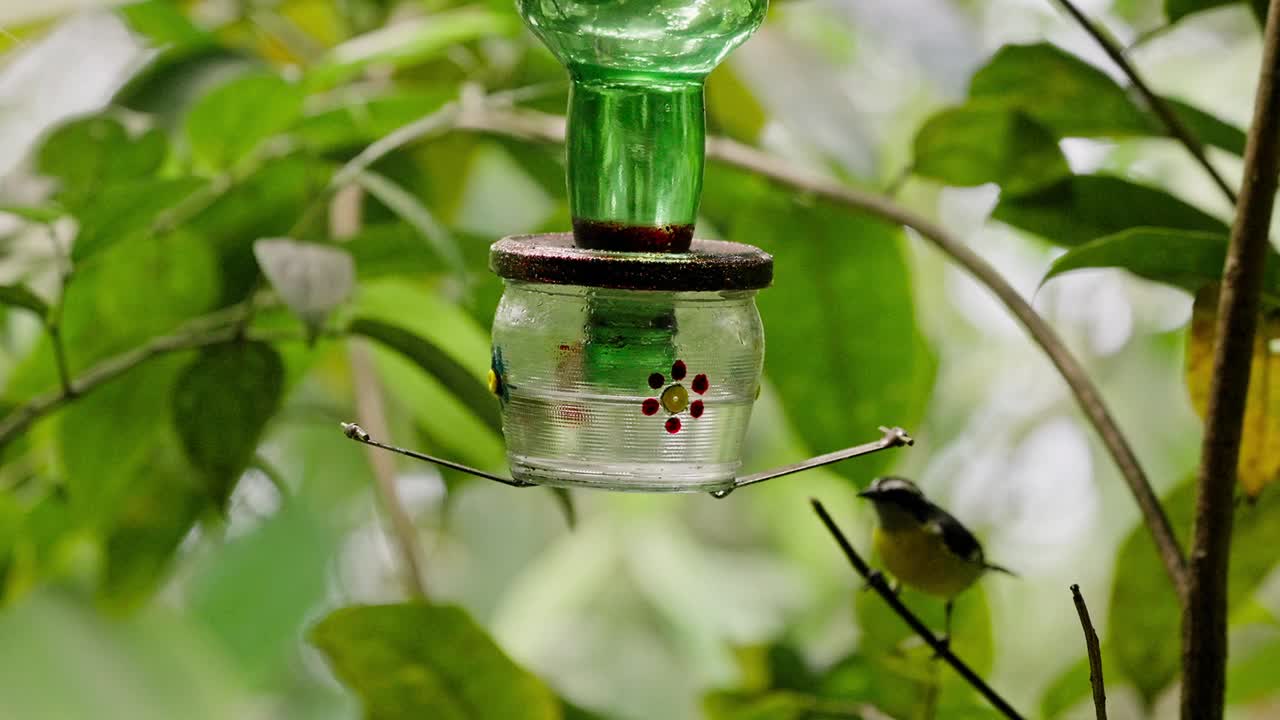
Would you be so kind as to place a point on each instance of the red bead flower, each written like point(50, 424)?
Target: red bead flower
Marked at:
point(675, 398)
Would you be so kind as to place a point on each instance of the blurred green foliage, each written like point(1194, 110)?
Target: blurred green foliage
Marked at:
point(175, 521)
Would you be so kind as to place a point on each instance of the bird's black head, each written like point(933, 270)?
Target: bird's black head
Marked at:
point(899, 493)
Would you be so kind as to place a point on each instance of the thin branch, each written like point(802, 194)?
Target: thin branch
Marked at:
point(1161, 107)
point(21, 417)
point(344, 221)
point(53, 322)
point(549, 128)
point(1095, 654)
point(440, 120)
point(1148, 35)
point(1204, 639)
point(878, 583)
point(54, 328)
point(369, 406)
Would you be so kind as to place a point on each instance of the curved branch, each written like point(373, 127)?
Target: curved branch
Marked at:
point(21, 417)
point(943, 649)
point(1161, 107)
point(549, 128)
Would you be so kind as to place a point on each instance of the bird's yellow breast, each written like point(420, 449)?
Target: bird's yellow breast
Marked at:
point(920, 560)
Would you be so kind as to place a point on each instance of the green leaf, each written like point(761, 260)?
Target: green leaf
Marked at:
point(1145, 615)
point(1072, 686)
point(105, 311)
point(1069, 689)
point(413, 211)
point(1185, 259)
point(44, 524)
point(290, 552)
point(312, 279)
point(11, 521)
point(127, 480)
point(1209, 129)
point(1251, 675)
point(391, 248)
point(274, 201)
point(574, 712)
point(35, 213)
point(410, 42)
point(750, 706)
point(883, 631)
point(413, 661)
point(900, 683)
point(146, 528)
point(860, 363)
point(1144, 612)
point(437, 363)
point(163, 22)
point(177, 79)
point(976, 144)
point(1178, 9)
point(1061, 91)
point(363, 121)
point(91, 153)
point(448, 425)
point(22, 297)
point(231, 121)
point(1087, 207)
point(127, 209)
point(732, 109)
point(222, 402)
point(1076, 99)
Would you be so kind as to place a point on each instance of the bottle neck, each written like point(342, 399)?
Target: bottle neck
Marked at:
point(635, 160)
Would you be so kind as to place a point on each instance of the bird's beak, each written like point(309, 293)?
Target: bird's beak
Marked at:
point(868, 493)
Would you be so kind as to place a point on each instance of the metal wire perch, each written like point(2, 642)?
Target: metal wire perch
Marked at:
point(891, 437)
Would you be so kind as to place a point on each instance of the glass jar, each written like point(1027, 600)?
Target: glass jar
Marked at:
point(641, 381)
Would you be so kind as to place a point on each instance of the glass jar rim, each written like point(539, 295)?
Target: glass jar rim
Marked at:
point(709, 265)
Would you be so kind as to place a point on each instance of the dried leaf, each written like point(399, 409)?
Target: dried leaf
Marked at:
point(311, 279)
point(1260, 445)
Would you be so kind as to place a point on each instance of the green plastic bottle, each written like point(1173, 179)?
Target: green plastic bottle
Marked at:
point(637, 129)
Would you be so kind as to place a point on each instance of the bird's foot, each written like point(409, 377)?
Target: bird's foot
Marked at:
point(874, 578)
point(944, 643)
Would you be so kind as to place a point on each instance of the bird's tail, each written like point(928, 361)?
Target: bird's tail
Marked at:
point(997, 568)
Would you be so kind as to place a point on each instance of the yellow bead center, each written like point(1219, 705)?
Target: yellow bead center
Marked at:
point(675, 399)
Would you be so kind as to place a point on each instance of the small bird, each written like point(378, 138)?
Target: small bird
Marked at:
point(922, 545)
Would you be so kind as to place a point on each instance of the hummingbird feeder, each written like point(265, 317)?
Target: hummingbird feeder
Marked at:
point(627, 354)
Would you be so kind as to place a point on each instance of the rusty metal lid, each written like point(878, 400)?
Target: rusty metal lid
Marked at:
point(709, 265)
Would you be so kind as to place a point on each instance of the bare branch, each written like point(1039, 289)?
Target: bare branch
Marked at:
point(1204, 626)
point(1095, 655)
point(943, 650)
point(550, 128)
point(345, 217)
point(21, 417)
point(1161, 107)
point(54, 328)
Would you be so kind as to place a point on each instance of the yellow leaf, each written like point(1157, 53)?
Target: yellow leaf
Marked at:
point(1260, 445)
